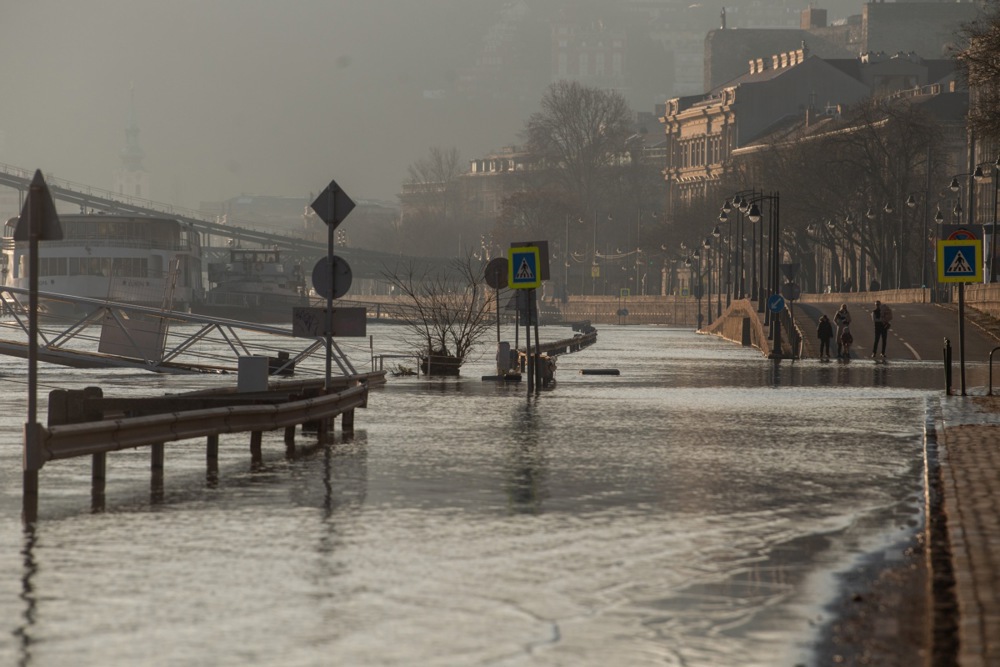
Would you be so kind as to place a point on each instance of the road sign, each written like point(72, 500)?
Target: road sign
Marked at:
point(775, 303)
point(958, 233)
point(960, 261)
point(543, 255)
point(332, 205)
point(332, 283)
point(49, 229)
point(311, 322)
point(523, 268)
point(496, 272)
point(791, 291)
point(790, 270)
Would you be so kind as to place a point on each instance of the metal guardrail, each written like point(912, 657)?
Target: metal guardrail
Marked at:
point(72, 440)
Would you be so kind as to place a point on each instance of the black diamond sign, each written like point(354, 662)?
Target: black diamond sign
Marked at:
point(333, 205)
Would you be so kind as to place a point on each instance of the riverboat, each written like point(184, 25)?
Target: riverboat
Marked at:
point(132, 259)
point(253, 286)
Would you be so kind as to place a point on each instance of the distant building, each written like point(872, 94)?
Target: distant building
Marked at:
point(927, 28)
point(703, 131)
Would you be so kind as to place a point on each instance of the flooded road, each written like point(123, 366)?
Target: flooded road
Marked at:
point(692, 511)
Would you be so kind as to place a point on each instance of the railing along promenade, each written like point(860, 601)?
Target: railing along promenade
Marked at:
point(84, 423)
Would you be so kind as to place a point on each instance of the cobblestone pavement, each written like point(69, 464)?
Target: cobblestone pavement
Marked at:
point(969, 464)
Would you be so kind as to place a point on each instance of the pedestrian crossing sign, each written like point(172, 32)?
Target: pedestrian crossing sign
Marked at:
point(960, 261)
point(523, 268)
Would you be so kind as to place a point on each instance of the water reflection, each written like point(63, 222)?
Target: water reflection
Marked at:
point(28, 597)
point(526, 461)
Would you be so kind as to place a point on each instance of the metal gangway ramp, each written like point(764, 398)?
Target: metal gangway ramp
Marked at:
point(153, 339)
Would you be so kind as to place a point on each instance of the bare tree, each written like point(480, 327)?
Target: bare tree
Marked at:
point(447, 311)
point(579, 132)
point(432, 217)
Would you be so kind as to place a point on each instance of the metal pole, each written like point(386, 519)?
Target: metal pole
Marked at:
point(993, 226)
point(329, 297)
point(961, 334)
point(566, 259)
point(593, 276)
point(31, 461)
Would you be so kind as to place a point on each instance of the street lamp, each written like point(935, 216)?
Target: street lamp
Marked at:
point(707, 245)
point(717, 233)
point(978, 175)
point(774, 229)
point(911, 202)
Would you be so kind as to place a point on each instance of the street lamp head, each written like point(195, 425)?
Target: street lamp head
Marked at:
point(810, 228)
point(696, 254)
point(727, 207)
point(939, 217)
point(849, 220)
point(687, 262)
point(707, 243)
point(911, 201)
point(978, 173)
point(954, 185)
point(716, 232)
point(958, 208)
point(887, 208)
point(723, 217)
point(870, 214)
point(754, 213)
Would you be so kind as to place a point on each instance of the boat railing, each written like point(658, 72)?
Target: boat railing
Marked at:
point(90, 243)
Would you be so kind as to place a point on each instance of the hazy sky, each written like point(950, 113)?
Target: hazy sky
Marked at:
point(239, 96)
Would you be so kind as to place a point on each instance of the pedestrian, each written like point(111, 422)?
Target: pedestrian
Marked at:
point(842, 319)
point(878, 319)
point(824, 332)
point(845, 342)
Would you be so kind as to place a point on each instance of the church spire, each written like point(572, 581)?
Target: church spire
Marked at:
point(131, 178)
point(131, 154)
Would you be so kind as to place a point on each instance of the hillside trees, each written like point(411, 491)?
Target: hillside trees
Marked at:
point(844, 184)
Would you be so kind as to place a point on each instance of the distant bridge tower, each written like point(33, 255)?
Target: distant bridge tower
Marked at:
point(131, 179)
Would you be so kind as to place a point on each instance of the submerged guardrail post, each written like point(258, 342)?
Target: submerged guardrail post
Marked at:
point(256, 455)
point(947, 367)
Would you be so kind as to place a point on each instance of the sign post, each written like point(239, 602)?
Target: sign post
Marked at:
point(332, 206)
point(38, 222)
point(960, 260)
point(524, 273)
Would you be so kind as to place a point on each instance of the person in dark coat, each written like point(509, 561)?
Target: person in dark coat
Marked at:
point(824, 332)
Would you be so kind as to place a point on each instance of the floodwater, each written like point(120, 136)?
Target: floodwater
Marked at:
point(694, 510)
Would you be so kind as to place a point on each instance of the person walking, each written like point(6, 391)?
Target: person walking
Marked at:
point(842, 319)
point(881, 330)
point(825, 332)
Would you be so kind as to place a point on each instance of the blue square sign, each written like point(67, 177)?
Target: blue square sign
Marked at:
point(960, 261)
point(523, 268)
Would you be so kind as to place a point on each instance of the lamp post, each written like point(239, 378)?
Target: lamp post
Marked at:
point(888, 208)
point(978, 175)
point(774, 225)
point(696, 255)
point(707, 245)
point(717, 233)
